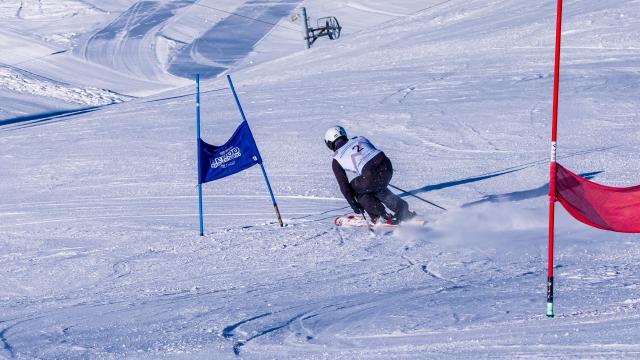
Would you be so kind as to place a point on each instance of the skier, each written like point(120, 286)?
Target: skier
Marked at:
point(363, 173)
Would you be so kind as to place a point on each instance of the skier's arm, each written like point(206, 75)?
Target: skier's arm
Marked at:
point(343, 182)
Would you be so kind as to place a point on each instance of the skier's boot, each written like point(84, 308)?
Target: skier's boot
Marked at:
point(385, 219)
point(391, 220)
point(405, 216)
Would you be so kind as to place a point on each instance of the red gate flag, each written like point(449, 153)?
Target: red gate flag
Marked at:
point(604, 207)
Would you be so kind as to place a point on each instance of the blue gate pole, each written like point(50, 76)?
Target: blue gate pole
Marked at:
point(264, 172)
point(198, 140)
point(273, 199)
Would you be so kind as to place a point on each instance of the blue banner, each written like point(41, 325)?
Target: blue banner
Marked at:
point(237, 154)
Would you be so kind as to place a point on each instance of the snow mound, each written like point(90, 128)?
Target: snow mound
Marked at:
point(44, 9)
point(35, 85)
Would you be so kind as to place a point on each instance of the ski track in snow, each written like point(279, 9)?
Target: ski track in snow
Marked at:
point(98, 217)
point(127, 44)
point(230, 40)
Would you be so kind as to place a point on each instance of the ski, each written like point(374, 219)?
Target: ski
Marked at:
point(353, 220)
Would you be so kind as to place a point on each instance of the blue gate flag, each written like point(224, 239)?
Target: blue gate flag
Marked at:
point(237, 154)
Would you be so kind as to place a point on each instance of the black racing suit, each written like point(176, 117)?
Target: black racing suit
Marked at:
point(369, 190)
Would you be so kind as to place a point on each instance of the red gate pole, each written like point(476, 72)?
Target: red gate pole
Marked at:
point(552, 164)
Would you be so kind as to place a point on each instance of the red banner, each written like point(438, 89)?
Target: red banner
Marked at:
point(604, 207)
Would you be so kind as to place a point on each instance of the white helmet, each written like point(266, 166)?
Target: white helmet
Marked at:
point(333, 134)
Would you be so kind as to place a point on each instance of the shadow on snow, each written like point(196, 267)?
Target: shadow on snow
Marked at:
point(49, 116)
point(523, 195)
point(520, 195)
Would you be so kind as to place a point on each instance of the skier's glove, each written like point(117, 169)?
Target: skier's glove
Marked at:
point(356, 208)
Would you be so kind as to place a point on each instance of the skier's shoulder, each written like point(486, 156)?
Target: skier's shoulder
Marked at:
point(359, 139)
point(364, 140)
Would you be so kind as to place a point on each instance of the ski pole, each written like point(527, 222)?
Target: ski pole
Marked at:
point(418, 197)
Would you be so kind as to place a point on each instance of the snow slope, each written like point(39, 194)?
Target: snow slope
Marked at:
point(101, 257)
point(140, 48)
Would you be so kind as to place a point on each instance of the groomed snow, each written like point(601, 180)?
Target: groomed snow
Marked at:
point(98, 219)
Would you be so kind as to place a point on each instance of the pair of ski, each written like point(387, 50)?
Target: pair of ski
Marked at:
point(353, 220)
